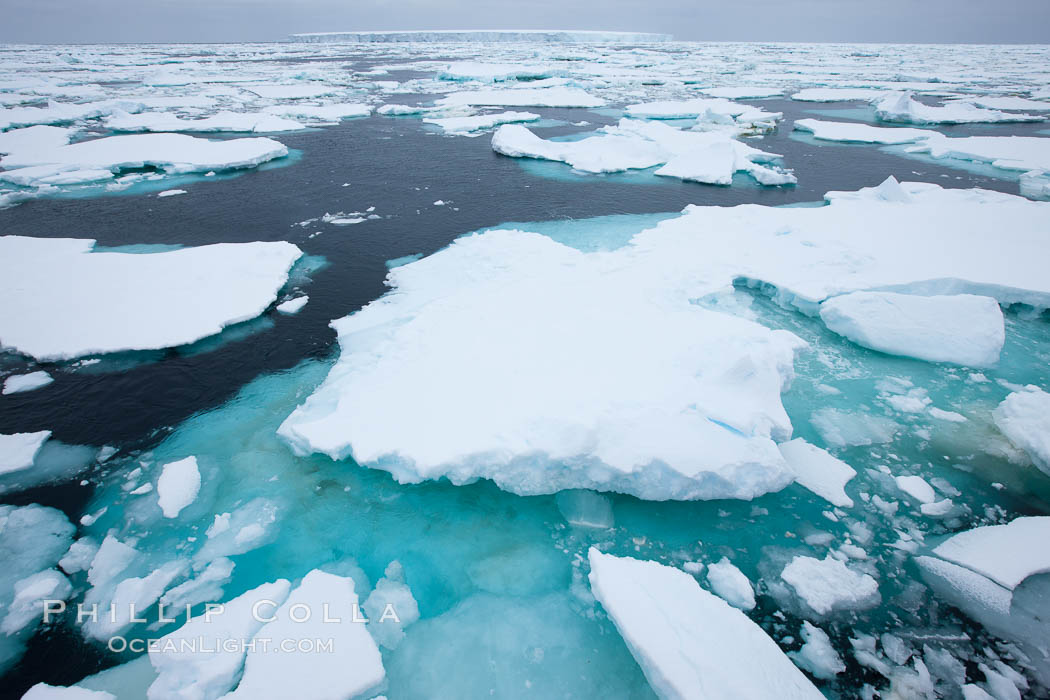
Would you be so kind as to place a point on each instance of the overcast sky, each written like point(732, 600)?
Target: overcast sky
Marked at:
point(86, 21)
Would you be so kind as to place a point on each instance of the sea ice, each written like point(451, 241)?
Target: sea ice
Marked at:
point(246, 122)
point(731, 585)
point(903, 107)
point(293, 306)
point(916, 487)
point(690, 643)
point(840, 428)
point(828, 585)
point(831, 94)
point(34, 138)
point(390, 608)
point(862, 133)
point(43, 691)
point(817, 654)
point(962, 329)
point(17, 383)
point(178, 486)
point(329, 113)
point(18, 451)
point(1024, 418)
point(171, 153)
point(709, 113)
point(522, 97)
point(170, 193)
point(475, 124)
point(353, 666)
point(743, 93)
point(1015, 153)
point(126, 301)
point(1006, 554)
point(819, 471)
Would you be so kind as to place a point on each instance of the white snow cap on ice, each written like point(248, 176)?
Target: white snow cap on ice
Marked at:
point(1007, 554)
point(61, 301)
point(17, 383)
point(819, 471)
point(690, 643)
point(17, 451)
point(1024, 418)
point(731, 585)
point(828, 585)
point(962, 329)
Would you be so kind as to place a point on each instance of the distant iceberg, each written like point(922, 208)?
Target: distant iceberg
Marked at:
point(542, 36)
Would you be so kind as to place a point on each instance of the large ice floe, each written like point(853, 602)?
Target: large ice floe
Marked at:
point(223, 121)
point(102, 159)
point(706, 382)
point(61, 300)
point(997, 574)
point(903, 107)
point(1024, 418)
point(711, 157)
point(522, 97)
point(710, 113)
point(690, 643)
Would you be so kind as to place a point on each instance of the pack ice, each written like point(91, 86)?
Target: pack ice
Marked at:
point(552, 327)
point(903, 107)
point(61, 300)
point(701, 156)
point(690, 643)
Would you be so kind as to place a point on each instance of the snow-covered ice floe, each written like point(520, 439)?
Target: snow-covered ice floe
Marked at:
point(575, 420)
point(474, 125)
point(818, 471)
point(61, 300)
point(259, 122)
point(832, 94)
point(828, 585)
point(997, 575)
point(710, 113)
point(690, 643)
point(1024, 418)
point(711, 157)
point(963, 329)
point(19, 450)
point(903, 107)
point(862, 133)
point(522, 97)
point(101, 159)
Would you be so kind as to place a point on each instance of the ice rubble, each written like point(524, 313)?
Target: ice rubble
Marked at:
point(903, 107)
point(100, 159)
point(17, 383)
point(522, 97)
point(63, 113)
point(258, 122)
point(63, 301)
point(18, 451)
point(962, 329)
point(353, 666)
point(1024, 418)
point(828, 585)
point(403, 361)
point(476, 124)
point(710, 157)
point(819, 471)
point(690, 643)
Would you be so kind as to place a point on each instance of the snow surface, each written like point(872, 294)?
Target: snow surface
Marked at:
point(469, 125)
point(522, 97)
point(17, 451)
point(962, 329)
point(293, 306)
point(690, 643)
point(817, 654)
point(171, 153)
point(819, 471)
point(1006, 554)
point(170, 193)
point(862, 133)
point(61, 301)
point(34, 138)
point(223, 121)
point(353, 666)
point(178, 486)
point(1024, 418)
point(1020, 153)
point(903, 107)
point(828, 585)
point(710, 157)
point(17, 383)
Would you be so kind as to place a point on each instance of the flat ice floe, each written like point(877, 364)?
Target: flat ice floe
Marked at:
point(690, 643)
point(831, 94)
point(34, 138)
point(101, 159)
point(575, 417)
point(862, 133)
point(474, 125)
point(1024, 418)
point(828, 585)
point(247, 122)
point(711, 157)
point(17, 383)
point(522, 97)
point(818, 471)
point(1006, 554)
point(710, 113)
point(963, 329)
point(61, 300)
point(903, 107)
point(743, 93)
point(19, 450)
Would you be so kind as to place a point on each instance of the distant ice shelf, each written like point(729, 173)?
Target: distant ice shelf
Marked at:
point(549, 36)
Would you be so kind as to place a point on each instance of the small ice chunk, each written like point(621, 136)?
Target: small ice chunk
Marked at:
point(26, 608)
point(828, 585)
point(841, 428)
point(19, 450)
point(1024, 418)
point(686, 639)
point(390, 608)
point(916, 487)
point(26, 382)
point(170, 193)
point(819, 471)
point(178, 486)
point(817, 655)
point(293, 306)
point(79, 556)
point(963, 329)
point(584, 508)
point(731, 585)
point(950, 416)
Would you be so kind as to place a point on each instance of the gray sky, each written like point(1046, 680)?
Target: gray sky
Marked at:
point(87, 21)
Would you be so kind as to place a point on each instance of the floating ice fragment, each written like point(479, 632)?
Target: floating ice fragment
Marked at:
point(293, 306)
point(917, 488)
point(1024, 418)
point(817, 655)
point(170, 193)
point(1006, 554)
point(819, 471)
point(731, 585)
point(828, 585)
point(522, 97)
point(18, 451)
point(18, 383)
point(178, 486)
point(903, 107)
